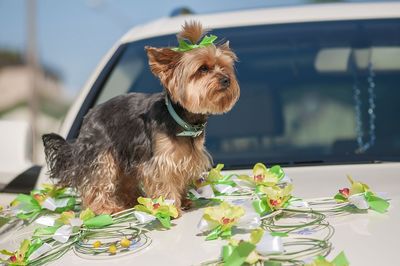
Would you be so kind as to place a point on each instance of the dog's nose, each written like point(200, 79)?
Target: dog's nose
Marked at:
point(225, 82)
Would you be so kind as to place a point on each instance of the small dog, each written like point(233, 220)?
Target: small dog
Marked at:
point(149, 144)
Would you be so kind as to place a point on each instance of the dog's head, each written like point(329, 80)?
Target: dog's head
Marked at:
point(200, 77)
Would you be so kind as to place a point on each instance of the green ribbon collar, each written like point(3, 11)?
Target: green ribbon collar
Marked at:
point(189, 130)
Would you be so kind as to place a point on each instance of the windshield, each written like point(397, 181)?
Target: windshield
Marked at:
point(310, 92)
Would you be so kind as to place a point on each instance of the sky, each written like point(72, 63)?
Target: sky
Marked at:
point(72, 36)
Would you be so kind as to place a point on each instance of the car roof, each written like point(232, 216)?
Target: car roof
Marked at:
point(265, 16)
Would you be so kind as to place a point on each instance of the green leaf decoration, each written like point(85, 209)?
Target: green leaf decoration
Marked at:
point(281, 234)
point(99, 221)
point(49, 230)
point(261, 206)
point(341, 260)
point(37, 243)
point(165, 220)
point(70, 205)
point(376, 203)
point(215, 233)
point(239, 254)
point(26, 203)
point(278, 171)
point(24, 216)
point(340, 198)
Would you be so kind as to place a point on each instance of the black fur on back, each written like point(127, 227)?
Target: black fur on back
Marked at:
point(124, 126)
point(58, 157)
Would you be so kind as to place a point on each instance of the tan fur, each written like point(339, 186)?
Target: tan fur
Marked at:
point(109, 194)
point(191, 31)
point(175, 164)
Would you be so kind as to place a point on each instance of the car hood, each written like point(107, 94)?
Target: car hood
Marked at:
point(366, 238)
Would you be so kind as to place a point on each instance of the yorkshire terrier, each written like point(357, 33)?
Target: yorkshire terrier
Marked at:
point(150, 144)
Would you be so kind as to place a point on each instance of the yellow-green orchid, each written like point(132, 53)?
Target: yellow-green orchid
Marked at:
point(220, 219)
point(160, 208)
point(261, 245)
point(357, 187)
point(263, 176)
point(155, 206)
point(360, 196)
point(50, 198)
point(276, 197)
point(22, 255)
point(225, 214)
point(66, 217)
point(18, 257)
point(213, 177)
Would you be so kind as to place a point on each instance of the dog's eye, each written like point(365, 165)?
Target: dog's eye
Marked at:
point(203, 69)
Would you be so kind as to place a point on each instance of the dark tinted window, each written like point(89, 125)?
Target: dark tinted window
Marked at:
point(311, 92)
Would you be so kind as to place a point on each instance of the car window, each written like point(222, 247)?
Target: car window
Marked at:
point(310, 92)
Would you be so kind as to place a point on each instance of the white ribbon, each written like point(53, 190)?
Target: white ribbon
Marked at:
point(63, 233)
point(251, 219)
point(204, 192)
point(76, 222)
point(298, 203)
point(144, 217)
point(40, 251)
point(359, 201)
point(45, 220)
point(225, 189)
point(205, 225)
point(52, 204)
point(269, 245)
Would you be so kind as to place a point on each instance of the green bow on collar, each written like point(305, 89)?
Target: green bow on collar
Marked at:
point(185, 46)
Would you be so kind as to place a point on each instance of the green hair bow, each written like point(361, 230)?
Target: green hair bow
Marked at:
point(185, 46)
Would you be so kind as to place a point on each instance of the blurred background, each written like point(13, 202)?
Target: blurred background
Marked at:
point(49, 48)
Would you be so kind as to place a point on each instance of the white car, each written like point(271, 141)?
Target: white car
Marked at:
point(319, 96)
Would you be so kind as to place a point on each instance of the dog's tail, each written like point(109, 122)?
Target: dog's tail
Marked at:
point(59, 158)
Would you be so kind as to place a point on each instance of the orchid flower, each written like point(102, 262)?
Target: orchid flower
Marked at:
point(50, 198)
point(27, 252)
point(158, 208)
point(260, 245)
point(220, 220)
point(275, 197)
point(360, 195)
point(214, 183)
point(263, 176)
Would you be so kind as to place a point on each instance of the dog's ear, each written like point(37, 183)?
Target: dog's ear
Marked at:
point(228, 51)
point(162, 62)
